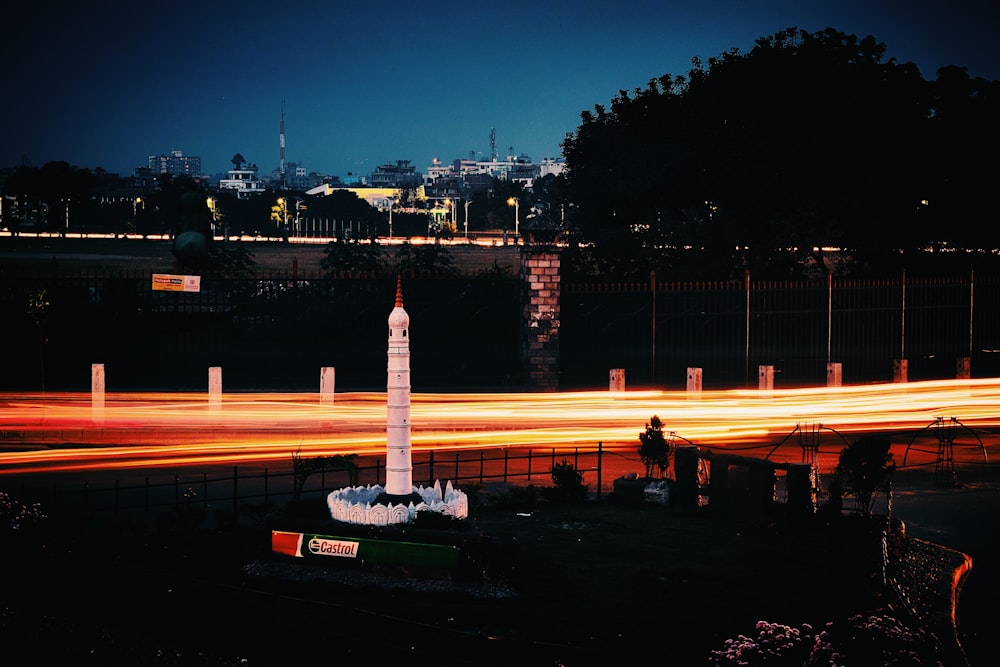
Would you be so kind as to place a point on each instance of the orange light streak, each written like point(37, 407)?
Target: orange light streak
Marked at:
point(64, 431)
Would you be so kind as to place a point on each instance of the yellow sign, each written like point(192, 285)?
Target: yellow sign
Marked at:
point(166, 282)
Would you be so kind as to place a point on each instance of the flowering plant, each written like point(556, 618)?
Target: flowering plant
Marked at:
point(15, 515)
point(860, 640)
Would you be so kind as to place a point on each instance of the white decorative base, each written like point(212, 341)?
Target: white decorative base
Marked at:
point(354, 504)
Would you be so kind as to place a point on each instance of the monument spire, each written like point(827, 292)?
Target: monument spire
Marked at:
point(398, 460)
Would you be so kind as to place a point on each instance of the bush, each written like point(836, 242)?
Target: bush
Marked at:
point(568, 483)
point(654, 450)
point(866, 467)
point(878, 641)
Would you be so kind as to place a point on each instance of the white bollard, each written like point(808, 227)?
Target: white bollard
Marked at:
point(617, 379)
point(766, 378)
point(834, 374)
point(97, 393)
point(215, 387)
point(326, 385)
point(694, 380)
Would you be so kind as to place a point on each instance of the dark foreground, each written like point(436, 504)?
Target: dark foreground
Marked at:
point(573, 584)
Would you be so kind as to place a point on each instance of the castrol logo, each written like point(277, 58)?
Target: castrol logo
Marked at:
point(326, 547)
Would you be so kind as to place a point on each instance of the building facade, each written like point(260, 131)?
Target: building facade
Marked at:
point(176, 164)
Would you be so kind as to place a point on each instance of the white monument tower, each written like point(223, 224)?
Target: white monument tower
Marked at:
point(398, 460)
point(398, 501)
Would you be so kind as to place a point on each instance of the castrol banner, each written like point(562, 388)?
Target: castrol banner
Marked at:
point(308, 545)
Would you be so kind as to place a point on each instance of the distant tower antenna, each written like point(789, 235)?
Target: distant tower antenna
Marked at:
point(281, 145)
point(493, 144)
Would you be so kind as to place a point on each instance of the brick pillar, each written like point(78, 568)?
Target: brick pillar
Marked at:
point(540, 314)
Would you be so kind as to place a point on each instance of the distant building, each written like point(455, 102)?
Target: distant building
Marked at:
point(243, 181)
point(476, 174)
point(379, 198)
point(400, 175)
point(175, 164)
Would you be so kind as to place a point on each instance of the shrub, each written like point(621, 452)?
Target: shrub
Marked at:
point(16, 516)
point(878, 641)
point(866, 467)
point(568, 482)
point(654, 450)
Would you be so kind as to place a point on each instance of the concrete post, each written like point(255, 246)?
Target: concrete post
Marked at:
point(834, 374)
point(694, 380)
point(617, 379)
point(215, 387)
point(97, 393)
point(326, 385)
point(766, 378)
point(900, 370)
point(963, 369)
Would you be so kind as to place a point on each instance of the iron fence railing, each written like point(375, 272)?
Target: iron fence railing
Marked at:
point(273, 331)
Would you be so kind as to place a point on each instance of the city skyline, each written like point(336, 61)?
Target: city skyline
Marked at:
point(107, 86)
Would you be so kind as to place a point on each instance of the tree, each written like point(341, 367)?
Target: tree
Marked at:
point(38, 310)
point(238, 161)
point(427, 258)
point(351, 256)
point(654, 450)
point(760, 160)
point(866, 467)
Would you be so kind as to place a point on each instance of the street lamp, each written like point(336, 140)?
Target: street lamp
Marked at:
point(391, 201)
point(211, 207)
point(467, 218)
point(136, 203)
point(283, 203)
point(516, 203)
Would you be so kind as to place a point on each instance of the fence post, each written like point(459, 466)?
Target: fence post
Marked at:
point(506, 456)
point(529, 465)
point(482, 457)
point(430, 468)
point(600, 461)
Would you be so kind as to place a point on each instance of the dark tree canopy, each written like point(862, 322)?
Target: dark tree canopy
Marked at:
point(760, 160)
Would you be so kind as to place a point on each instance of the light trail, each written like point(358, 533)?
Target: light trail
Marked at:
point(66, 432)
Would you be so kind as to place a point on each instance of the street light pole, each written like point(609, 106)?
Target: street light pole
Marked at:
point(516, 203)
point(467, 218)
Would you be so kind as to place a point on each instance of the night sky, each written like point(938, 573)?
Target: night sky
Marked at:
point(108, 84)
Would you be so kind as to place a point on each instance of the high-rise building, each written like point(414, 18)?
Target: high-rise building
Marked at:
point(175, 164)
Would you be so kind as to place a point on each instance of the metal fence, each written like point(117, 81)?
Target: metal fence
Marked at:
point(274, 332)
point(246, 493)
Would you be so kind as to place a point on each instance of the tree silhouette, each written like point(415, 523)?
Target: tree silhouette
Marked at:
point(759, 160)
point(654, 450)
point(866, 467)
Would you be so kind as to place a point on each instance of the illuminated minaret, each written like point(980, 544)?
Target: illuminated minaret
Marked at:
point(398, 462)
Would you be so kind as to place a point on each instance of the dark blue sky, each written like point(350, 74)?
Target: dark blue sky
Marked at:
point(364, 83)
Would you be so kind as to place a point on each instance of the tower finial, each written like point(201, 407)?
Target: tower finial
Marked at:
point(399, 290)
